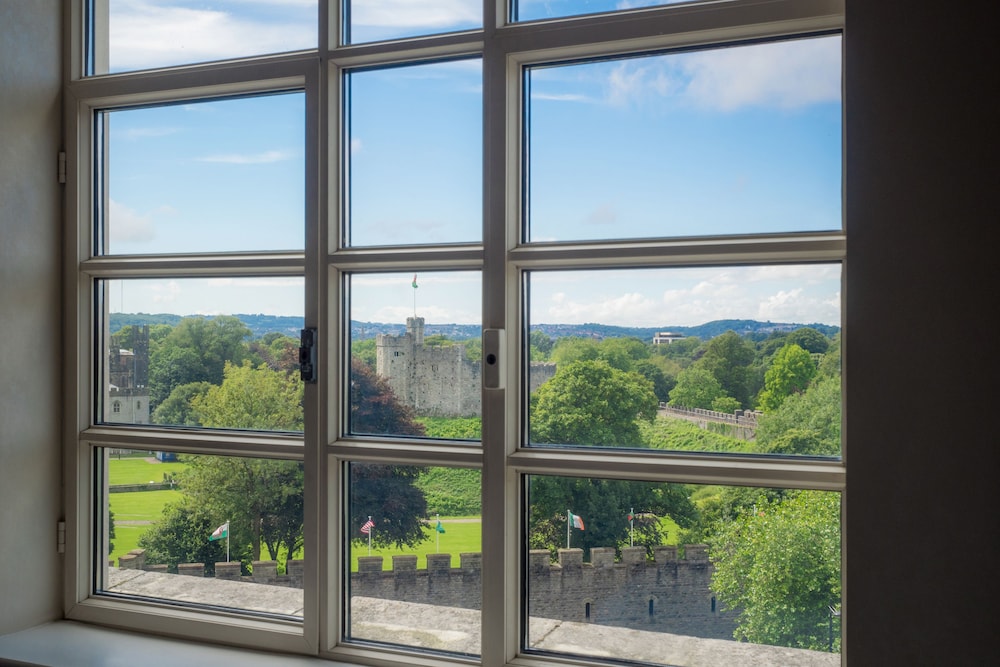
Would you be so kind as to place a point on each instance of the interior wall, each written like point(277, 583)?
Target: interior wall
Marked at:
point(30, 324)
point(921, 353)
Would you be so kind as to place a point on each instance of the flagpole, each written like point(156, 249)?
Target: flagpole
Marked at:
point(228, 528)
point(370, 537)
point(569, 526)
point(437, 534)
point(631, 526)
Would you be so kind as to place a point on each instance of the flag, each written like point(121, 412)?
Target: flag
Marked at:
point(576, 520)
point(414, 283)
point(439, 528)
point(221, 532)
point(367, 526)
point(630, 516)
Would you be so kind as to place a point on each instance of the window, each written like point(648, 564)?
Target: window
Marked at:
point(575, 273)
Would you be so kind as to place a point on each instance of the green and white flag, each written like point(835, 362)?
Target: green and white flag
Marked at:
point(221, 533)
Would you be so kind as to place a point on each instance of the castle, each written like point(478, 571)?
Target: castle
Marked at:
point(437, 381)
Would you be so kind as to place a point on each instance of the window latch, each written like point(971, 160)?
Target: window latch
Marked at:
point(307, 355)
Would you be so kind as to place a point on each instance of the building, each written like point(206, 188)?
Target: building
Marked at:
point(666, 337)
point(921, 175)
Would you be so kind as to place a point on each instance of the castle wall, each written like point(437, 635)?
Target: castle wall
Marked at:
point(667, 594)
point(437, 381)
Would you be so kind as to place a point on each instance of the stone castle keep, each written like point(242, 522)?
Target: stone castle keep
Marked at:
point(437, 381)
point(668, 594)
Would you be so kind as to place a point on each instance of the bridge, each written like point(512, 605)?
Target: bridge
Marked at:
point(742, 423)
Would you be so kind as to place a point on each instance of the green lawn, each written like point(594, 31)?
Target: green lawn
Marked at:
point(136, 506)
point(140, 470)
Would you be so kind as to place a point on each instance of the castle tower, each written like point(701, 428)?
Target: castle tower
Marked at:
point(415, 327)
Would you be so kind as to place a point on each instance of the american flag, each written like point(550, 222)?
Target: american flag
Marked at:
point(367, 526)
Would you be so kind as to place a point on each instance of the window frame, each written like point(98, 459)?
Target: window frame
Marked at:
point(503, 257)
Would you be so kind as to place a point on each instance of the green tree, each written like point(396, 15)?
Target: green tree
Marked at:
point(364, 351)
point(176, 410)
point(181, 536)
point(592, 403)
point(778, 564)
point(696, 388)
point(196, 350)
point(806, 423)
point(252, 398)
point(809, 340)
point(728, 357)
point(662, 383)
point(791, 371)
point(542, 343)
point(571, 349)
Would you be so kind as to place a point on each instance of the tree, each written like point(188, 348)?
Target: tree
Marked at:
point(728, 358)
point(387, 493)
point(252, 398)
point(181, 536)
point(810, 420)
point(790, 372)
point(778, 564)
point(662, 383)
point(696, 388)
point(176, 410)
point(592, 403)
point(809, 340)
point(196, 350)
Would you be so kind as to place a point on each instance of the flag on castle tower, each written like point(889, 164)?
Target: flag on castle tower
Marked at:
point(414, 283)
point(367, 526)
point(576, 520)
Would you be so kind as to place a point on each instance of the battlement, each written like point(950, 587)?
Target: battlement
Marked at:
point(665, 594)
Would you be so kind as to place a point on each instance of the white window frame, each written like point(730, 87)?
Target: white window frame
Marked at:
point(502, 258)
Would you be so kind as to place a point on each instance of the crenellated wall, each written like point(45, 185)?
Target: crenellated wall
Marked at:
point(666, 594)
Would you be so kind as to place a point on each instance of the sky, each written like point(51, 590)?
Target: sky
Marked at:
point(741, 140)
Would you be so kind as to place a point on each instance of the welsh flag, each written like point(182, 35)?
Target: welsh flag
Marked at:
point(576, 520)
point(439, 528)
point(414, 283)
point(221, 533)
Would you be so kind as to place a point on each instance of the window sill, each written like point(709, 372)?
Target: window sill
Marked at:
point(71, 644)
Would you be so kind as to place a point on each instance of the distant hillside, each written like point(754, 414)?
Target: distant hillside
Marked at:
point(290, 326)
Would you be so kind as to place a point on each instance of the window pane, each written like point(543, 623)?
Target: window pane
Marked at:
point(530, 10)
point(217, 176)
point(169, 363)
point(718, 359)
point(144, 35)
point(220, 531)
point(415, 154)
point(414, 544)
point(376, 20)
point(738, 140)
point(416, 344)
point(681, 567)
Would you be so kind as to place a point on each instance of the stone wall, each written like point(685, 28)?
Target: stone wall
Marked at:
point(666, 594)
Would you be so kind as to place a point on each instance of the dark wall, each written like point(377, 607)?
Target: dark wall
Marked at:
point(922, 189)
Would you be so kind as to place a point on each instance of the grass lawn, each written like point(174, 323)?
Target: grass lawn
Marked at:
point(140, 470)
point(459, 537)
point(136, 506)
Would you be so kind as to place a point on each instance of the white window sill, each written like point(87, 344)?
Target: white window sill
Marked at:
point(72, 644)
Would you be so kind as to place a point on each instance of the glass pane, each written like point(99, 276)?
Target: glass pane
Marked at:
point(416, 345)
point(221, 531)
point(415, 548)
point(694, 575)
point(530, 10)
point(738, 140)
point(718, 359)
point(211, 352)
point(415, 154)
point(144, 35)
point(376, 20)
point(217, 176)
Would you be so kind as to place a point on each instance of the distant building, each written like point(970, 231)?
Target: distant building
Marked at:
point(666, 337)
point(127, 398)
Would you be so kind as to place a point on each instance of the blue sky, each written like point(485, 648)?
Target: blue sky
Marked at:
point(733, 141)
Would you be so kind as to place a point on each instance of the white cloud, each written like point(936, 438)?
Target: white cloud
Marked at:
point(415, 13)
point(266, 157)
point(145, 34)
point(127, 225)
